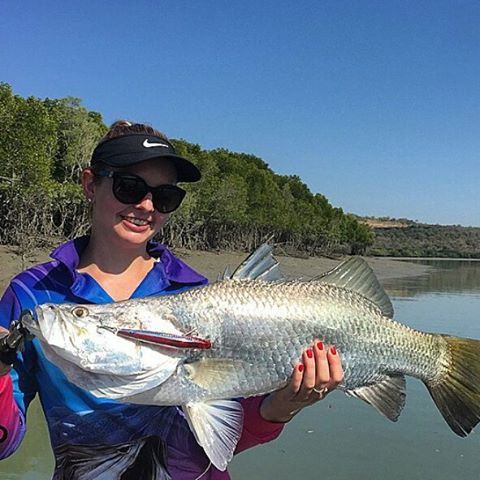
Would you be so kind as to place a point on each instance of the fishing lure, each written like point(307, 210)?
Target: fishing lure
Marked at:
point(162, 338)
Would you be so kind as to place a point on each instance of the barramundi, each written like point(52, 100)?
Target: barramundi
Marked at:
point(242, 336)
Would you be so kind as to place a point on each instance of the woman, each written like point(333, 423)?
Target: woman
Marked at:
point(132, 187)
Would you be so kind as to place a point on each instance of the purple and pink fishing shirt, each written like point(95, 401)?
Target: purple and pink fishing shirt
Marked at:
point(74, 416)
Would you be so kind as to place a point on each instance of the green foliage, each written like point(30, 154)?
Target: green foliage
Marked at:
point(43, 146)
point(357, 234)
point(78, 131)
point(28, 139)
point(239, 202)
point(420, 240)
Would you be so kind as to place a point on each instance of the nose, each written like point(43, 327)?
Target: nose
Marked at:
point(146, 203)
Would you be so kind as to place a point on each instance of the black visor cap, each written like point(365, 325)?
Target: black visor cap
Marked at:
point(137, 147)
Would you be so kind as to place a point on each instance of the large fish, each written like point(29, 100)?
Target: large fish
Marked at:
point(242, 336)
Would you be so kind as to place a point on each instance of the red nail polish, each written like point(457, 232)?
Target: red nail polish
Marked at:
point(320, 345)
point(309, 353)
point(333, 350)
point(301, 367)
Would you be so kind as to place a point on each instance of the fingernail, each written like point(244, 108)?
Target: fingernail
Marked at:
point(301, 367)
point(320, 345)
point(333, 350)
point(309, 353)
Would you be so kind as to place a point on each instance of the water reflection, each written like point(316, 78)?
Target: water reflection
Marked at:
point(448, 276)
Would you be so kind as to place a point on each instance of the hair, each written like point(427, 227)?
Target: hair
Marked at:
point(124, 127)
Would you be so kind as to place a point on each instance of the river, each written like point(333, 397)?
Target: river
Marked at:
point(342, 438)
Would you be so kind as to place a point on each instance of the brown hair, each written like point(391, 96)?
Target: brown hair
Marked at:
point(124, 127)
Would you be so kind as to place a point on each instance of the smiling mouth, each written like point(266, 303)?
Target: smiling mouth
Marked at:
point(140, 222)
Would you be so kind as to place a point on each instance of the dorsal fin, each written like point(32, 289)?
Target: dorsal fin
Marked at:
point(259, 265)
point(226, 274)
point(355, 274)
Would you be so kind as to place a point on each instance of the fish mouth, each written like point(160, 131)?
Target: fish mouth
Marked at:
point(45, 320)
point(29, 320)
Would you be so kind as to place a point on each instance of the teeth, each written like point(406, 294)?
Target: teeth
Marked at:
point(137, 221)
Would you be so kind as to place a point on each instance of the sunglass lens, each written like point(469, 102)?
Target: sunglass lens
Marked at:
point(167, 199)
point(132, 189)
point(129, 189)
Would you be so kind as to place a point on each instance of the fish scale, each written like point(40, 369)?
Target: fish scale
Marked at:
point(255, 326)
point(261, 338)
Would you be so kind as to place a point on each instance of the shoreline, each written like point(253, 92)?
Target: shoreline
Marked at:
point(212, 264)
point(407, 259)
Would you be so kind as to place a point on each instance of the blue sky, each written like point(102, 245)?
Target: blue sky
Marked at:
point(375, 104)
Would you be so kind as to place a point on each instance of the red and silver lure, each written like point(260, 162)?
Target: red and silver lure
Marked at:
point(162, 339)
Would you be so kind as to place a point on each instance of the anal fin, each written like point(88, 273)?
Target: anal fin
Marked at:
point(387, 396)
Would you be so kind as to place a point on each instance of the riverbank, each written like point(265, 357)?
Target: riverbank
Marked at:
point(211, 264)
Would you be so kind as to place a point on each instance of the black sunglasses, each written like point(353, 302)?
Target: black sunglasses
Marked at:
point(129, 188)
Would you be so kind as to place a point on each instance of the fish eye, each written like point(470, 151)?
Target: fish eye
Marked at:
point(80, 312)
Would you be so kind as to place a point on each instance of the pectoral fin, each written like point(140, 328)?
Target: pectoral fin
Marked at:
point(217, 426)
point(387, 396)
point(214, 374)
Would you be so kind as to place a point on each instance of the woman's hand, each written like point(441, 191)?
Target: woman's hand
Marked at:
point(319, 373)
point(4, 369)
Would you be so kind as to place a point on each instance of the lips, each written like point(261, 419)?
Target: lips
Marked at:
point(136, 223)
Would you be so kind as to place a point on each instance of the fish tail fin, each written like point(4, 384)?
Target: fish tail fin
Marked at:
point(457, 390)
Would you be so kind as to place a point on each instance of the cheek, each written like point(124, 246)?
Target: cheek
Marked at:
point(108, 201)
point(160, 220)
point(106, 206)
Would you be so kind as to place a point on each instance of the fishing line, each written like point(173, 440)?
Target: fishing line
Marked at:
point(205, 471)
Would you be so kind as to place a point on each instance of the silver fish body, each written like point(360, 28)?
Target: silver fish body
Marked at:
point(260, 329)
point(258, 325)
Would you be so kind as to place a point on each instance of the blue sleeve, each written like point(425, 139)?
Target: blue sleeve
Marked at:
point(9, 308)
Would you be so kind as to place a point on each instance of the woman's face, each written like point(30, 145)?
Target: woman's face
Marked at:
point(132, 225)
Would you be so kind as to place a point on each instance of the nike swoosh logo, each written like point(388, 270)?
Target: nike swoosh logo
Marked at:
point(147, 144)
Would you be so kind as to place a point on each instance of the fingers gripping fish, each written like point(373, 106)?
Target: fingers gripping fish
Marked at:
point(250, 329)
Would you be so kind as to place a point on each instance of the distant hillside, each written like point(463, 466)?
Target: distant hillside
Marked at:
point(385, 222)
point(406, 238)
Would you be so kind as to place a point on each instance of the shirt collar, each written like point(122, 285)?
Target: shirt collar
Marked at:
point(69, 252)
point(176, 270)
point(168, 271)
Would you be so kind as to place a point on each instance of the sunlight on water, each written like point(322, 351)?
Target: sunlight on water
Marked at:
point(343, 438)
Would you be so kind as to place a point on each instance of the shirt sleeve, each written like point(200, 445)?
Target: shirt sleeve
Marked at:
point(17, 389)
point(256, 429)
point(12, 421)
